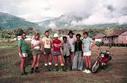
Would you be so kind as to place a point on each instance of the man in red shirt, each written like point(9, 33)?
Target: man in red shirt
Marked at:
point(56, 52)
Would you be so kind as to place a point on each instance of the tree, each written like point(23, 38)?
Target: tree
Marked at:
point(109, 31)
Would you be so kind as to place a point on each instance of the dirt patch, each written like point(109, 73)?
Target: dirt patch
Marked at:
point(115, 73)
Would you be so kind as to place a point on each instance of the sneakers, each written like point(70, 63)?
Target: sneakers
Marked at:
point(87, 71)
point(84, 71)
point(62, 64)
point(46, 64)
point(50, 63)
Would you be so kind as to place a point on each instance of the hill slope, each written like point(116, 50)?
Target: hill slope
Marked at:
point(8, 21)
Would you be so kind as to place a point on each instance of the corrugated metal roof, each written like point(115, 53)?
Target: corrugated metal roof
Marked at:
point(99, 35)
point(124, 34)
point(116, 33)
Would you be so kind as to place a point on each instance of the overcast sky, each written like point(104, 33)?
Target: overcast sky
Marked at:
point(93, 11)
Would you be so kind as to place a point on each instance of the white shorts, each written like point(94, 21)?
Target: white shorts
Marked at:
point(24, 54)
point(87, 53)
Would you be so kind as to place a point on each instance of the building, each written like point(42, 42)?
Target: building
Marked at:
point(99, 37)
point(122, 39)
point(116, 38)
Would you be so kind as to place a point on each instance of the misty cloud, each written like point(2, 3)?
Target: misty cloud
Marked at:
point(92, 11)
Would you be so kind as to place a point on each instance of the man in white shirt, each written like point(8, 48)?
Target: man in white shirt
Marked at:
point(47, 49)
point(71, 40)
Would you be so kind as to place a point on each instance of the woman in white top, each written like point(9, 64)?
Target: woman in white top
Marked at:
point(36, 52)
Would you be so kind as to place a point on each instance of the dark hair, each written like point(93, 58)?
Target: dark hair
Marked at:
point(70, 32)
point(64, 37)
point(46, 31)
point(93, 38)
point(19, 32)
point(85, 33)
point(78, 35)
point(23, 33)
point(37, 34)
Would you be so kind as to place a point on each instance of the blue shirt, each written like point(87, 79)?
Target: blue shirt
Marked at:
point(87, 42)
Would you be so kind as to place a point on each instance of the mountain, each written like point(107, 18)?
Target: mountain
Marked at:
point(8, 21)
point(69, 22)
point(60, 22)
point(103, 26)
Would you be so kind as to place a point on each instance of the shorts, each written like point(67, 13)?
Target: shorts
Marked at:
point(87, 53)
point(36, 52)
point(56, 53)
point(47, 51)
point(25, 54)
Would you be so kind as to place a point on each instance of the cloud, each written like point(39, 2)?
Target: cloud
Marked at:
point(110, 11)
point(52, 25)
point(92, 11)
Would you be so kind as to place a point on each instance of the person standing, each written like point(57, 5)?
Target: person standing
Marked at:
point(56, 51)
point(71, 40)
point(87, 45)
point(47, 42)
point(23, 50)
point(36, 52)
point(66, 52)
point(77, 60)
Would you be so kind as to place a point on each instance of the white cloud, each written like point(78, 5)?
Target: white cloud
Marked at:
point(52, 25)
point(93, 11)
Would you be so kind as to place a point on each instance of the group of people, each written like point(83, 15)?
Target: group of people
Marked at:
point(70, 52)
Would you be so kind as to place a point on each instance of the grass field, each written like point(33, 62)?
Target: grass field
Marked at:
point(9, 70)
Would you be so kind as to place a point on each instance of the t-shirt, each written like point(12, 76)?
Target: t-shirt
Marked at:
point(24, 46)
point(56, 45)
point(87, 42)
point(47, 42)
point(36, 42)
point(71, 41)
point(78, 46)
point(66, 51)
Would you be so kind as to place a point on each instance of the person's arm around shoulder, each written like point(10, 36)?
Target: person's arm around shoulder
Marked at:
point(52, 45)
point(82, 45)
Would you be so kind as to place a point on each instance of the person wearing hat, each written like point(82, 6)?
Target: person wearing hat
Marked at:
point(71, 40)
point(56, 52)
